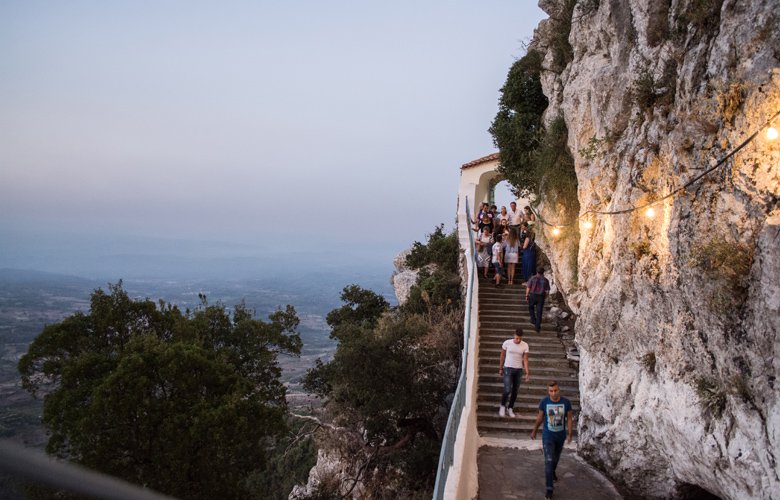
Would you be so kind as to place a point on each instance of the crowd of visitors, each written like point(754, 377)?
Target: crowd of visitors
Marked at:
point(505, 239)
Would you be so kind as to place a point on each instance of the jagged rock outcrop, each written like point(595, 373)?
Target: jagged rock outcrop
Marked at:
point(678, 316)
point(403, 278)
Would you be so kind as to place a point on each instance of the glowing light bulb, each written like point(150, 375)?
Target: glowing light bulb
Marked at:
point(771, 133)
point(588, 224)
point(556, 231)
point(650, 213)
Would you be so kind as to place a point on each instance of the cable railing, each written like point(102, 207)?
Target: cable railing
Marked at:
point(446, 455)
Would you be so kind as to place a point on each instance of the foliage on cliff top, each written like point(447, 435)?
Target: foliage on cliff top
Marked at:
point(441, 249)
point(186, 404)
point(439, 287)
point(392, 372)
point(517, 127)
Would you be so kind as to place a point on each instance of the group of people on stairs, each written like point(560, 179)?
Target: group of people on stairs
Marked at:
point(504, 240)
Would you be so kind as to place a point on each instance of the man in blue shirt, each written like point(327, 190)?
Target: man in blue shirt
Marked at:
point(556, 413)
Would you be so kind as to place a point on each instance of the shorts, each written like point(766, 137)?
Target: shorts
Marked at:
point(499, 268)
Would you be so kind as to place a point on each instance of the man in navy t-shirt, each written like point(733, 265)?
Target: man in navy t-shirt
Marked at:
point(556, 413)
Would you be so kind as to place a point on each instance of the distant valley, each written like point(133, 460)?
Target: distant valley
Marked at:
point(31, 299)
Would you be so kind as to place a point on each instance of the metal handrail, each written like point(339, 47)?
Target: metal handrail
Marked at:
point(446, 455)
point(40, 468)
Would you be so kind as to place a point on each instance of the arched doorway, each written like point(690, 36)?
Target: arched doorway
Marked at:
point(501, 194)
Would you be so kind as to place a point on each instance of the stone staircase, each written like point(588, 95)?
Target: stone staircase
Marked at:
point(501, 310)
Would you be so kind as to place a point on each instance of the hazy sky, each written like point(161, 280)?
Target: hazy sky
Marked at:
point(246, 121)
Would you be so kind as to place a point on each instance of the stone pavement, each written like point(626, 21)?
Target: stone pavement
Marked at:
point(518, 473)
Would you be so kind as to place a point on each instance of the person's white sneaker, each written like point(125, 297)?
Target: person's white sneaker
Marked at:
point(502, 411)
point(510, 413)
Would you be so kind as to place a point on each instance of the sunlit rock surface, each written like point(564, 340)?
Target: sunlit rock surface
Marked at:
point(403, 278)
point(678, 360)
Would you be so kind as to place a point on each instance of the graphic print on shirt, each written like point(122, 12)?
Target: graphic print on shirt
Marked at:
point(555, 413)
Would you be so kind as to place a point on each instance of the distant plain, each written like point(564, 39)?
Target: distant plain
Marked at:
point(29, 300)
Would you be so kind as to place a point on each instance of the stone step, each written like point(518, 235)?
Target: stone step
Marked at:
point(490, 367)
point(492, 357)
point(493, 350)
point(507, 328)
point(523, 396)
point(536, 385)
point(521, 407)
point(519, 433)
point(529, 334)
point(541, 370)
point(550, 346)
point(521, 317)
point(510, 301)
point(520, 314)
point(497, 296)
point(493, 295)
point(495, 382)
point(508, 425)
point(491, 415)
point(545, 342)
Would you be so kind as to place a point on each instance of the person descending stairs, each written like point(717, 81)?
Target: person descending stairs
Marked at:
point(501, 311)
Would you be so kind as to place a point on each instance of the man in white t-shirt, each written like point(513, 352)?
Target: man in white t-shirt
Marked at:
point(515, 216)
point(514, 364)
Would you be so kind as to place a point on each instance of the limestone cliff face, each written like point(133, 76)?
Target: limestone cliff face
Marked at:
point(678, 315)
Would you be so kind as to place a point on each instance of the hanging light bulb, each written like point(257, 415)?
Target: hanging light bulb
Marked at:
point(771, 133)
point(556, 231)
point(588, 224)
point(650, 212)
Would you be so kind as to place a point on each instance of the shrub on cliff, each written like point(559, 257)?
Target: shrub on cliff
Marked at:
point(388, 382)
point(440, 250)
point(517, 127)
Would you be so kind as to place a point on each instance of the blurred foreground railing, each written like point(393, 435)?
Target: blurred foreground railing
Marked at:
point(38, 468)
point(446, 456)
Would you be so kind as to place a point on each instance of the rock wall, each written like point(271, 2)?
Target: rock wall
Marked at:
point(403, 278)
point(678, 315)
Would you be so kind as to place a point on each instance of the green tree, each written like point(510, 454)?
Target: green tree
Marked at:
point(185, 403)
point(390, 383)
point(362, 309)
point(517, 127)
point(441, 249)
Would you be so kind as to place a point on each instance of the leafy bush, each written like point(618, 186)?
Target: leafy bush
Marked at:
point(703, 16)
point(640, 248)
point(648, 361)
point(730, 101)
point(562, 50)
point(438, 289)
point(590, 151)
point(727, 266)
point(441, 250)
point(517, 127)
point(554, 169)
point(712, 397)
point(388, 384)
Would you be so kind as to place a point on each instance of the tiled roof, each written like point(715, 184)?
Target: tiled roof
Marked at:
point(480, 161)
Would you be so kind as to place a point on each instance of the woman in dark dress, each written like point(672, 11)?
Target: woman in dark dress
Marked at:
point(528, 259)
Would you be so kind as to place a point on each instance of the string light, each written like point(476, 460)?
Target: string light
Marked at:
point(771, 134)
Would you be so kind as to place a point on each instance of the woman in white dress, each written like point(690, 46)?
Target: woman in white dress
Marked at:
point(511, 254)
